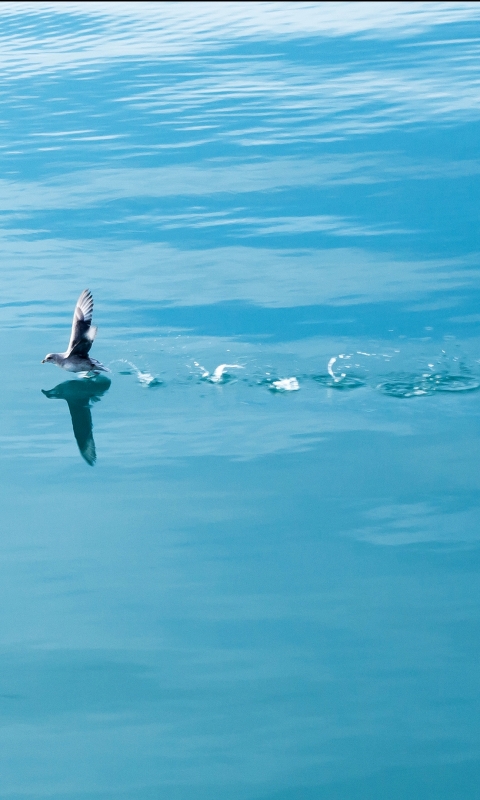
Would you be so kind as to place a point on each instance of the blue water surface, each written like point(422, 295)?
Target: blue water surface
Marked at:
point(244, 564)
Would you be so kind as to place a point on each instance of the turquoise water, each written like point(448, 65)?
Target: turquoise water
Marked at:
point(257, 581)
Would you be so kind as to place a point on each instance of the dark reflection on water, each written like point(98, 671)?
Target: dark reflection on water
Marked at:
point(79, 394)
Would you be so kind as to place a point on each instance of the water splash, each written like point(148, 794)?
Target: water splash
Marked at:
point(220, 373)
point(343, 380)
point(285, 385)
point(336, 378)
point(346, 383)
point(144, 378)
point(442, 375)
point(428, 383)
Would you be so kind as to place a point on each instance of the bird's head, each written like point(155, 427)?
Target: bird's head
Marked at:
point(49, 357)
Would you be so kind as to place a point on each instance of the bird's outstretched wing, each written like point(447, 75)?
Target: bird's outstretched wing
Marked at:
point(83, 332)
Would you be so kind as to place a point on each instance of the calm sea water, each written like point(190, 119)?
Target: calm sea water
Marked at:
point(257, 581)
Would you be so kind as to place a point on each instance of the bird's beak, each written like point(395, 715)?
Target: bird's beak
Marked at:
point(42, 361)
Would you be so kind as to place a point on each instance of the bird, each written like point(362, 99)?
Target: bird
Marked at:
point(76, 358)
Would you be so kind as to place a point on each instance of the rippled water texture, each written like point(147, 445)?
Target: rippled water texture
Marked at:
point(243, 564)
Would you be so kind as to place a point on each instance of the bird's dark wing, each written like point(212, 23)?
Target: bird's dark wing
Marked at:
point(83, 333)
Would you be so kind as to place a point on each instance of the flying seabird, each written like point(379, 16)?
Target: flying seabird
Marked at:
point(76, 358)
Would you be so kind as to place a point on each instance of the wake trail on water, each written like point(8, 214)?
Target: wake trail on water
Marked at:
point(344, 372)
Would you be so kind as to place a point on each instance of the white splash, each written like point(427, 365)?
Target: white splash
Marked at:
point(336, 378)
point(218, 373)
point(144, 378)
point(286, 385)
point(205, 372)
point(221, 369)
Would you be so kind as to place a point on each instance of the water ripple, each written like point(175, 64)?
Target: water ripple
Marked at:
point(405, 386)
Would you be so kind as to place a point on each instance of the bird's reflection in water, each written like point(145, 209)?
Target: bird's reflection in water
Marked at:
point(78, 395)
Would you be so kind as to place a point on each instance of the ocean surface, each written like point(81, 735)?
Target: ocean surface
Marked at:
point(243, 564)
